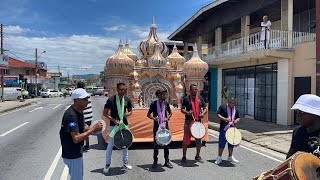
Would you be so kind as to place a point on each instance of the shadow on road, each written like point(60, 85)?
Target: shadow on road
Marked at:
point(148, 167)
point(223, 164)
point(190, 163)
point(112, 172)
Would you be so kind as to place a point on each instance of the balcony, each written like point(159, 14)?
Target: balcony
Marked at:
point(251, 47)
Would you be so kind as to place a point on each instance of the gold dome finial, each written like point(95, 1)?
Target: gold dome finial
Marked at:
point(157, 60)
point(195, 67)
point(175, 59)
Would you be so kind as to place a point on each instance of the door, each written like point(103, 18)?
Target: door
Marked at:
point(302, 85)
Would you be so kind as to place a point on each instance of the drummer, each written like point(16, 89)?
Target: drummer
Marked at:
point(307, 109)
point(111, 112)
point(154, 110)
point(192, 105)
point(226, 114)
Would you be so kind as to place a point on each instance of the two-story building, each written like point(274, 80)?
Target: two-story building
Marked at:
point(265, 77)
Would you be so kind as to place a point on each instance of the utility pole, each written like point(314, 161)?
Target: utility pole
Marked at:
point(2, 76)
point(318, 47)
point(36, 70)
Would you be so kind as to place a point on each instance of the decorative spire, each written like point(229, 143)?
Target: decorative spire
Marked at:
point(195, 48)
point(153, 25)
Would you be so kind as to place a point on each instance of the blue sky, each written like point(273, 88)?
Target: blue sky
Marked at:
point(79, 35)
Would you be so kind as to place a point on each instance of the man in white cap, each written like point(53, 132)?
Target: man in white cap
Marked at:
point(72, 134)
point(308, 115)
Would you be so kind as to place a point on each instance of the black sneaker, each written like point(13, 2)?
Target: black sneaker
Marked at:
point(198, 158)
point(154, 165)
point(168, 164)
point(86, 148)
point(184, 160)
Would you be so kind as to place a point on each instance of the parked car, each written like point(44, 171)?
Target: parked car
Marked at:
point(69, 91)
point(11, 93)
point(99, 91)
point(50, 93)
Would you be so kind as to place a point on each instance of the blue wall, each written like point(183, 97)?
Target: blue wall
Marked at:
point(213, 89)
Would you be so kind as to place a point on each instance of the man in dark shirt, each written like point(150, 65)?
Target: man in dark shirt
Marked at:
point(111, 112)
point(72, 134)
point(186, 108)
point(225, 118)
point(306, 136)
point(162, 96)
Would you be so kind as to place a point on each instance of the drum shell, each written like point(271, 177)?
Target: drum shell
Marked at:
point(198, 130)
point(123, 143)
point(163, 141)
point(233, 134)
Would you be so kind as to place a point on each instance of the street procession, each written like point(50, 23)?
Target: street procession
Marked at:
point(222, 89)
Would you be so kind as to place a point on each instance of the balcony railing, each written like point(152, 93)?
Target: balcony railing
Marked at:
point(278, 40)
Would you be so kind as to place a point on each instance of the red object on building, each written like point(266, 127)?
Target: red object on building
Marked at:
point(19, 64)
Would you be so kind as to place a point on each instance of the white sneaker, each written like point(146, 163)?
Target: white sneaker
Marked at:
point(218, 160)
point(106, 169)
point(232, 159)
point(127, 166)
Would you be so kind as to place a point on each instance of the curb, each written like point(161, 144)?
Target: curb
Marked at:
point(17, 107)
point(216, 128)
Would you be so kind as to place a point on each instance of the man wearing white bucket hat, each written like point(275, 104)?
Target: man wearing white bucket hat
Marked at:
point(307, 109)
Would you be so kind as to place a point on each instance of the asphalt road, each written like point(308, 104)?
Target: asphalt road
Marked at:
point(30, 149)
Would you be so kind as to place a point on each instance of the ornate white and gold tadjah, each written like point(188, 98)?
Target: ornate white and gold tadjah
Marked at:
point(133, 56)
point(118, 68)
point(147, 46)
point(176, 60)
point(195, 69)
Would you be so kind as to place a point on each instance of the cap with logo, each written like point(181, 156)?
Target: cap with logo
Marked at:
point(79, 93)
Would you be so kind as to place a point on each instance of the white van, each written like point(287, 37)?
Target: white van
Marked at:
point(11, 93)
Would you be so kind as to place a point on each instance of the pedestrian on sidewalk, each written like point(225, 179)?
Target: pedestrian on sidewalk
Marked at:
point(160, 110)
point(224, 95)
point(88, 115)
point(306, 136)
point(111, 111)
point(72, 134)
point(229, 116)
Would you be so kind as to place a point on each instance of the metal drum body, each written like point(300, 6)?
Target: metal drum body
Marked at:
point(123, 139)
point(163, 137)
point(198, 130)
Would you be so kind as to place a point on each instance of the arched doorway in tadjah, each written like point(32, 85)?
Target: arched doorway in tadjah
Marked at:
point(149, 88)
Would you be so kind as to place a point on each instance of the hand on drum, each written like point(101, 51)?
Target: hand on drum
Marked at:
point(98, 126)
point(117, 122)
point(236, 121)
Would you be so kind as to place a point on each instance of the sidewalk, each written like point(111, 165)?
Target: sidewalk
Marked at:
point(12, 105)
point(269, 135)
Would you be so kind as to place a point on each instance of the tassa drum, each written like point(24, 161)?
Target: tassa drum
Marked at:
point(163, 137)
point(198, 130)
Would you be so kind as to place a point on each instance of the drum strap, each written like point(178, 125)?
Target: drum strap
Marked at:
point(231, 116)
point(161, 114)
point(195, 107)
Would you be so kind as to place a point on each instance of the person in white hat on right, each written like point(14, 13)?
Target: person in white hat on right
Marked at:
point(307, 109)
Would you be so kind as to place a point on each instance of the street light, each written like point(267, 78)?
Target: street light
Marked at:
point(36, 64)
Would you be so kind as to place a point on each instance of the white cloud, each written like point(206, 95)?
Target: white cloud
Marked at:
point(15, 30)
point(115, 28)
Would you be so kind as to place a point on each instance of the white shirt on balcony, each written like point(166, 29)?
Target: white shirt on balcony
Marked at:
point(265, 27)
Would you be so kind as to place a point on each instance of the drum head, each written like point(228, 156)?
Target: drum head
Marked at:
point(305, 166)
point(233, 136)
point(103, 128)
point(198, 130)
point(123, 139)
point(163, 137)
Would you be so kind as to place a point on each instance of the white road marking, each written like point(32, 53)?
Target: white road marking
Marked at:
point(6, 133)
point(57, 106)
point(67, 107)
point(19, 109)
point(36, 109)
point(53, 165)
point(65, 173)
point(244, 147)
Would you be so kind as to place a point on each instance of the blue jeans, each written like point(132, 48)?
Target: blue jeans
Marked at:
point(75, 168)
point(223, 140)
point(109, 151)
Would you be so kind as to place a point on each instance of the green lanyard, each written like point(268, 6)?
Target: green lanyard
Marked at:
point(120, 108)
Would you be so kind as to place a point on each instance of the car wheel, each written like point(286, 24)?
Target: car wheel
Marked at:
point(18, 98)
point(49, 96)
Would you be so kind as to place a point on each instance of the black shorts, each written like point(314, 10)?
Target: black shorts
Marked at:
point(88, 123)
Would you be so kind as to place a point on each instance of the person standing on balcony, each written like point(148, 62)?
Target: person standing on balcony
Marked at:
point(265, 31)
point(225, 95)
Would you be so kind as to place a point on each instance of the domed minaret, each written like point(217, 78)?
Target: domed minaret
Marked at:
point(157, 63)
point(147, 46)
point(118, 68)
point(176, 60)
point(195, 69)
